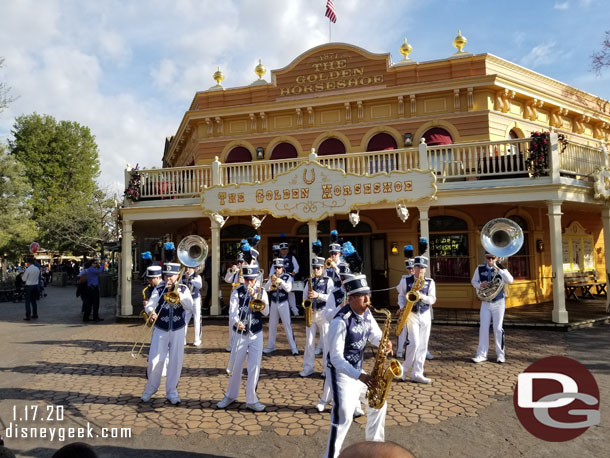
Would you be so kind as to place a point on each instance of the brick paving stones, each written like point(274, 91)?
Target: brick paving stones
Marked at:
point(92, 374)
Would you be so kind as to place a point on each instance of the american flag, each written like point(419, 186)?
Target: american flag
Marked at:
point(330, 11)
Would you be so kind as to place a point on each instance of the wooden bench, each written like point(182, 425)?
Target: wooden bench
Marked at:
point(585, 280)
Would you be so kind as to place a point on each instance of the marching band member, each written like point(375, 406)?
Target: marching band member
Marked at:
point(248, 340)
point(279, 307)
point(333, 272)
point(291, 266)
point(233, 276)
point(168, 334)
point(153, 275)
point(492, 309)
point(351, 328)
point(402, 296)
point(321, 296)
point(194, 283)
point(419, 323)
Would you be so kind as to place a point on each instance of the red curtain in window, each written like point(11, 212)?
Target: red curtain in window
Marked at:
point(380, 142)
point(438, 136)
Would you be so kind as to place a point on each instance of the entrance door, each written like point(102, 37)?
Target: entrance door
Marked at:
point(379, 271)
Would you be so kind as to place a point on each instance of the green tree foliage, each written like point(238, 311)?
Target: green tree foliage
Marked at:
point(61, 162)
point(17, 230)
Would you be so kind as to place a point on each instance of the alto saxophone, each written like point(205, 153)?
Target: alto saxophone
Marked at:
point(412, 298)
point(381, 377)
point(308, 307)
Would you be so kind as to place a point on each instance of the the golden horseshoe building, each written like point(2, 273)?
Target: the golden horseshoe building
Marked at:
point(344, 139)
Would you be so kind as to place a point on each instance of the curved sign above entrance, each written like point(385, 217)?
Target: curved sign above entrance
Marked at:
point(313, 192)
point(332, 67)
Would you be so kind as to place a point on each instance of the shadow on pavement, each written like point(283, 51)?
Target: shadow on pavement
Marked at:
point(120, 452)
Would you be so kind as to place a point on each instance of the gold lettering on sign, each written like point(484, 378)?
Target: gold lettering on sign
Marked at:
point(329, 73)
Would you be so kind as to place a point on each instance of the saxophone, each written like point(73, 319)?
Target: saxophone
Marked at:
point(381, 377)
point(412, 298)
point(308, 307)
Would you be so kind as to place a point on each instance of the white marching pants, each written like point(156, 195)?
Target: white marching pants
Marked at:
point(165, 343)
point(318, 323)
point(251, 345)
point(418, 326)
point(402, 340)
point(489, 311)
point(277, 312)
point(347, 395)
point(196, 314)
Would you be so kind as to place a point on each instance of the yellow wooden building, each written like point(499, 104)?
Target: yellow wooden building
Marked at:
point(467, 119)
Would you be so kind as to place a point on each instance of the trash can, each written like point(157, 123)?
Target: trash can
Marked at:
point(59, 278)
point(105, 285)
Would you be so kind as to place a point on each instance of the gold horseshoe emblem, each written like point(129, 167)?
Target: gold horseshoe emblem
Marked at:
point(313, 176)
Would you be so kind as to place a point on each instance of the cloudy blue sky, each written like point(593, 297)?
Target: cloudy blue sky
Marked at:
point(129, 69)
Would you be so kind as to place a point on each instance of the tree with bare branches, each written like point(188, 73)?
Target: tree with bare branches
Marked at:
point(601, 58)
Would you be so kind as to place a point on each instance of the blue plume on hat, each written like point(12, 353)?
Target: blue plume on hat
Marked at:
point(146, 255)
point(245, 249)
point(334, 236)
point(243, 242)
point(316, 247)
point(352, 257)
point(423, 245)
point(408, 251)
point(253, 241)
point(170, 250)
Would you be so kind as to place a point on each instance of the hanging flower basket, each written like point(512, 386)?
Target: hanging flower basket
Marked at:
point(132, 192)
point(537, 160)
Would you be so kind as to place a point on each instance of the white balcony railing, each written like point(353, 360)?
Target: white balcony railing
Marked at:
point(456, 162)
point(580, 160)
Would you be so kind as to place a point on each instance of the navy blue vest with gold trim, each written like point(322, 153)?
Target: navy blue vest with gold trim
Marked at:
point(487, 274)
point(338, 292)
point(169, 318)
point(288, 264)
point(319, 285)
point(252, 320)
point(419, 306)
point(279, 295)
point(356, 336)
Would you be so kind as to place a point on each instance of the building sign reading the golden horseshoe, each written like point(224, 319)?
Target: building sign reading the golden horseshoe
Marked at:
point(313, 192)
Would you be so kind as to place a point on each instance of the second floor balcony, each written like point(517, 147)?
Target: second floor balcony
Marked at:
point(457, 166)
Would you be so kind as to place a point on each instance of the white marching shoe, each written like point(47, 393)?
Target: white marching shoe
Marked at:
point(479, 359)
point(226, 402)
point(420, 379)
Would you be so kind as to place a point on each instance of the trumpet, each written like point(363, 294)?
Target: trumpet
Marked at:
point(329, 263)
point(144, 334)
point(275, 282)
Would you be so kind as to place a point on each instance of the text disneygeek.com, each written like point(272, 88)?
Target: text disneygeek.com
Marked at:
point(21, 426)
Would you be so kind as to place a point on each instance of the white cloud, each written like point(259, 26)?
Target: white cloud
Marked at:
point(561, 6)
point(539, 55)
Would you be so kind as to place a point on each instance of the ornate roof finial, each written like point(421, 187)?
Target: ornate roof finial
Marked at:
point(459, 42)
point(218, 77)
point(260, 70)
point(405, 49)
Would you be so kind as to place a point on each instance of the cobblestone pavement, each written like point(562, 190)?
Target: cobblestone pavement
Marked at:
point(88, 370)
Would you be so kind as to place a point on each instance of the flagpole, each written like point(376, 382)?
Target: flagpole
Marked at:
point(329, 23)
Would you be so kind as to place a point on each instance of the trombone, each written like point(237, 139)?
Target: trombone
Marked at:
point(144, 335)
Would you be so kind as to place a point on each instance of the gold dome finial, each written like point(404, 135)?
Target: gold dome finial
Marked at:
point(218, 77)
point(459, 42)
point(260, 70)
point(405, 50)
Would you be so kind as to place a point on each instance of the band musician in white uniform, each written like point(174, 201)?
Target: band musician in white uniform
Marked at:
point(350, 329)
point(322, 300)
point(234, 278)
point(247, 340)
point(168, 335)
point(419, 323)
point(495, 308)
point(279, 307)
